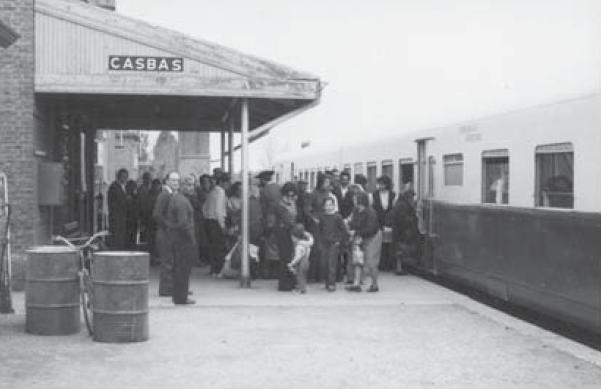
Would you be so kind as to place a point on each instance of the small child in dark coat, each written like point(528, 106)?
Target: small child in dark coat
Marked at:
point(333, 234)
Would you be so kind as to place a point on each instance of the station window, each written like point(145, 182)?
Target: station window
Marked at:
point(453, 169)
point(555, 175)
point(371, 176)
point(495, 177)
point(387, 168)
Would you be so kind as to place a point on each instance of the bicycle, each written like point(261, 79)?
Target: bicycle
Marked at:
point(85, 252)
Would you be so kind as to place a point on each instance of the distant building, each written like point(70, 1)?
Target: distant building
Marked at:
point(194, 153)
point(166, 154)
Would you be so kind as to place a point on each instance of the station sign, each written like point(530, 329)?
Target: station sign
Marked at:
point(146, 64)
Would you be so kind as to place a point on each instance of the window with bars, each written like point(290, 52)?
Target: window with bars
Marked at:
point(453, 169)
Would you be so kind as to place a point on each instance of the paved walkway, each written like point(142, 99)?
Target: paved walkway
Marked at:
point(412, 334)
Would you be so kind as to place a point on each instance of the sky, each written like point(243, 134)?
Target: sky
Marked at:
point(393, 66)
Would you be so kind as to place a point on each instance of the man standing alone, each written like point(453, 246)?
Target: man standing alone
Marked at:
point(163, 251)
point(117, 203)
point(180, 232)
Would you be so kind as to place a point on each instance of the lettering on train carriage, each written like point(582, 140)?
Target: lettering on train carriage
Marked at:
point(146, 64)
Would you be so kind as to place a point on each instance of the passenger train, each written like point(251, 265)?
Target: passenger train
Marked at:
point(511, 203)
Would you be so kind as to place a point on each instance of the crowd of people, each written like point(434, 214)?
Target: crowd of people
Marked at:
point(338, 232)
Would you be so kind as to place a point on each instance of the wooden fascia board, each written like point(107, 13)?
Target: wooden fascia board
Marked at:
point(167, 40)
point(176, 85)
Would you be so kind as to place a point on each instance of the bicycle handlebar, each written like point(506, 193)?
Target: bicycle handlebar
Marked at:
point(88, 242)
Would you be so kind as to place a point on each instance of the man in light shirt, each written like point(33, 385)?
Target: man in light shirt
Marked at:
point(214, 211)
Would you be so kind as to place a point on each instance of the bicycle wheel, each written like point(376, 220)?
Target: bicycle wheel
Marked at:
point(86, 299)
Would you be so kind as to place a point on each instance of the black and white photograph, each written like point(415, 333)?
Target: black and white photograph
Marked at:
point(300, 194)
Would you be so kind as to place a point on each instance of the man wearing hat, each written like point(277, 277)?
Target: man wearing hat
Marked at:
point(270, 191)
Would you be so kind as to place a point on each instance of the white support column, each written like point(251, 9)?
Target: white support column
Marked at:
point(223, 149)
point(230, 148)
point(245, 274)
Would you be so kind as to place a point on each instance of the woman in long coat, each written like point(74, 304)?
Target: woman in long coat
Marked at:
point(383, 201)
point(364, 222)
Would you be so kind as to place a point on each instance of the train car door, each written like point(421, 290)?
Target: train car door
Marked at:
point(425, 204)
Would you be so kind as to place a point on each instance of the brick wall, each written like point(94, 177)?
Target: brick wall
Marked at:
point(17, 129)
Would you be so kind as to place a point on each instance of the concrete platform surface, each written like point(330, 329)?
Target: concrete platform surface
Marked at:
point(413, 334)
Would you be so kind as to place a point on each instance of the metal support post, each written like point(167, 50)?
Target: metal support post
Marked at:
point(244, 176)
point(230, 148)
point(222, 149)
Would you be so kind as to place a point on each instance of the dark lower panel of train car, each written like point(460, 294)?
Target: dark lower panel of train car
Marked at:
point(547, 261)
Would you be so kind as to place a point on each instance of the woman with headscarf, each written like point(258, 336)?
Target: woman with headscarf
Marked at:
point(364, 223)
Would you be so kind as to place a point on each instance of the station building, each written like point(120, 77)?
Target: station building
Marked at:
point(79, 67)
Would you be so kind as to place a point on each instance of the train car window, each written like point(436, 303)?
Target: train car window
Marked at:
point(555, 175)
point(453, 169)
point(312, 181)
point(406, 169)
point(431, 166)
point(347, 168)
point(371, 176)
point(495, 177)
point(358, 168)
point(387, 168)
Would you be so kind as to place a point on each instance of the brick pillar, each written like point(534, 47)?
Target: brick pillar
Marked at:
point(17, 129)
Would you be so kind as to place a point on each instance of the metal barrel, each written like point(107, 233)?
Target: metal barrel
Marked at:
point(120, 297)
point(52, 291)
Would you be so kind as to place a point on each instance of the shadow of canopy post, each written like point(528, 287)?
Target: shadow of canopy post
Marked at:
point(120, 73)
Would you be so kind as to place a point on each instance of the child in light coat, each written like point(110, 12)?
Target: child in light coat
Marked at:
point(303, 241)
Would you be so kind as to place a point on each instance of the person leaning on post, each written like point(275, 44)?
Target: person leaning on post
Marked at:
point(181, 237)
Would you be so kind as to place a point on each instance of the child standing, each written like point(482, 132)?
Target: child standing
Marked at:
point(333, 234)
point(303, 241)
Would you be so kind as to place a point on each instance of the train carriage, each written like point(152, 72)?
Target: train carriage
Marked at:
point(510, 202)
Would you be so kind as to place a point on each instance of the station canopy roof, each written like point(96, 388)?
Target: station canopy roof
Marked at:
point(129, 74)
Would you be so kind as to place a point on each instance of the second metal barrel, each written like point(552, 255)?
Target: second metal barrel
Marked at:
point(52, 291)
point(120, 298)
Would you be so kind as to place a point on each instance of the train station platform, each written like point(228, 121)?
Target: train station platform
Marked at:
point(412, 334)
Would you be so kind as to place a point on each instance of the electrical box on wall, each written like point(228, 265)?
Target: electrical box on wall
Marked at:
point(50, 184)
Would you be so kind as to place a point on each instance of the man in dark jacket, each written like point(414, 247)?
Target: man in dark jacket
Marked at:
point(117, 204)
point(180, 233)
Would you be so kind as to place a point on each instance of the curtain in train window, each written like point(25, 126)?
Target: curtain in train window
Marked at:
point(555, 176)
point(453, 169)
point(371, 176)
point(495, 177)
